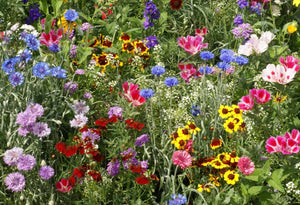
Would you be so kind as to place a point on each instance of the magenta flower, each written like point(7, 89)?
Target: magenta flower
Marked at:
point(291, 62)
point(246, 165)
point(289, 146)
point(274, 145)
point(182, 158)
point(246, 103)
point(261, 95)
point(188, 71)
point(192, 44)
point(295, 135)
point(132, 94)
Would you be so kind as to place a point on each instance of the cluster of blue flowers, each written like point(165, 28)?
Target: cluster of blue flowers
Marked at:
point(207, 55)
point(158, 70)
point(171, 81)
point(227, 57)
point(151, 13)
point(32, 42)
point(146, 93)
point(34, 13)
point(177, 200)
point(41, 70)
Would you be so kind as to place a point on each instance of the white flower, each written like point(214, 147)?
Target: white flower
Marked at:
point(79, 121)
point(245, 49)
point(15, 27)
point(80, 108)
point(276, 10)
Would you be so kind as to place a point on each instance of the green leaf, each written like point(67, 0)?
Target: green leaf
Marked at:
point(56, 6)
point(48, 23)
point(254, 176)
point(228, 196)
point(244, 190)
point(276, 50)
point(84, 16)
point(276, 184)
point(44, 6)
point(85, 53)
point(266, 168)
point(256, 190)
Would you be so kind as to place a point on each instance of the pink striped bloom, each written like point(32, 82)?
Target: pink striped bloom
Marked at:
point(295, 135)
point(246, 165)
point(261, 95)
point(274, 145)
point(51, 38)
point(187, 71)
point(182, 158)
point(291, 63)
point(290, 146)
point(246, 103)
point(192, 44)
point(132, 94)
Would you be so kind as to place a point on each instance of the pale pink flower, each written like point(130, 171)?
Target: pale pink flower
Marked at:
point(192, 44)
point(259, 46)
point(182, 158)
point(291, 62)
point(246, 165)
point(245, 49)
point(295, 135)
point(274, 145)
point(261, 95)
point(267, 37)
point(246, 103)
point(79, 121)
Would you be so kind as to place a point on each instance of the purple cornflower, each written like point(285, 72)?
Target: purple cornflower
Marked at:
point(35, 109)
point(117, 111)
point(73, 51)
point(91, 136)
point(16, 78)
point(26, 118)
point(177, 200)
point(151, 41)
point(72, 87)
point(41, 129)
point(79, 72)
point(238, 20)
point(113, 167)
point(141, 140)
point(79, 121)
point(242, 31)
point(12, 156)
point(15, 181)
point(46, 172)
point(34, 13)
point(87, 95)
point(23, 131)
point(79, 107)
point(26, 163)
point(86, 26)
point(242, 3)
point(171, 81)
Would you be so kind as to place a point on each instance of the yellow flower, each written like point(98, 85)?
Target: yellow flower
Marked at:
point(225, 111)
point(296, 3)
point(217, 164)
point(203, 187)
point(215, 180)
point(179, 142)
point(184, 133)
point(66, 25)
point(291, 29)
point(230, 125)
point(238, 120)
point(101, 60)
point(236, 111)
point(243, 126)
point(278, 98)
point(231, 177)
point(193, 128)
point(224, 158)
point(215, 143)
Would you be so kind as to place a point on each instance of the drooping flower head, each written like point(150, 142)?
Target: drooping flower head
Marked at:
point(15, 181)
point(46, 172)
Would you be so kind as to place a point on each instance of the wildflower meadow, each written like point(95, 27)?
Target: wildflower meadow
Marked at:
point(149, 102)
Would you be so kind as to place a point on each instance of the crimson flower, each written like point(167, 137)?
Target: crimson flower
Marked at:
point(63, 186)
point(142, 180)
point(176, 4)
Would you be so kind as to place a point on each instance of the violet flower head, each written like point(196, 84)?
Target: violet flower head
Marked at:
point(242, 3)
point(117, 111)
point(35, 109)
point(41, 129)
point(151, 41)
point(113, 167)
point(79, 121)
point(79, 107)
point(26, 118)
point(12, 156)
point(15, 181)
point(87, 95)
point(71, 87)
point(86, 26)
point(238, 20)
point(46, 172)
point(141, 140)
point(73, 52)
point(79, 72)
point(151, 13)
point(90, 136)
point(242, 31)
point(26, 163)
point(23, 131)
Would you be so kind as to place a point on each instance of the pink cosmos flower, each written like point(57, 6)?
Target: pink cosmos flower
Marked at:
point(295, 135)
point(291, 62)
point(261, 95)
point(246, 103)
point(278, 74)
point(63, 185)
point(274, 145)
point(51, 38)
point(192, 44)
point(246, 165)
point(132, 94)
point(182, 158)
point(289, 146)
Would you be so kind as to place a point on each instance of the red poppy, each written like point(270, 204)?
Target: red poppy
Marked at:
point(176, 4)
point(102, 122)
point(63, 185)
point(78, 172)
point(61, 147)
point(142, 180)
point(134, 124)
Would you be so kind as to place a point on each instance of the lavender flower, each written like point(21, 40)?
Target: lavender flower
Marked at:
point(242, 3)
point(26, 163)
point(117, 111)
point(12, 156)
point(79, 72)
point(90, 136)
point(87, 95)
point(73, 51)
point(26, 118)
point(242, 31)
point(23, 131)
point(35, 109)
point(79, 121)
point(72, 87)
point(46, 172)
point(86, 26)
point(113, 167)
point(41, 130)
point(80, 108)
point(15, 181)
point(141, 140)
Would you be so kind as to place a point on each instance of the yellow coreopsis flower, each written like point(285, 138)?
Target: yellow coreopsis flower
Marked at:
point(203, 187)
point(230, 125)
point(231, 177)
point(225, 111)
point(278, 98)
point(179, 143)
point(291, 29)
point(296, 3)
point(236, 111)
point(217, 164)
point(192, 127)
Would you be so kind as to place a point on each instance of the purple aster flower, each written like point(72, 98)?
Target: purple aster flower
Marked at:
point(87, 95)
point(73, 51)
point(46, 172)
point(171, 81)
point(12, 156)
point(242, 3)
point(238, 20)
point(79, 121)
point(71, 15)
point(26, 163)
point(90, 136)
point(242, 31)
point(16, 78)
point(15, 181)
point(144, 164)
point(41, 129)
point(26, 118)
point(141, 140)
point(23, 131)
point(86, 26)
point(117, 111)
point(80, 108)
point(54, 47)
point(79, 72)
point(71, 87)
point(113, 167)
point(35, 109)
point(151, 41)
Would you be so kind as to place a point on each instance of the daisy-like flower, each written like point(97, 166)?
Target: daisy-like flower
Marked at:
point(80, 108)
point(225, 111)
point(217, 164)
point(192, 127)
point(203, 187)
point(238, 120)
point(231, 177)
point(182, 158)
point(15, 182)
point(215, 143)
point(246, 165)
point(41, 129)
point(230, 125)
point(236, 111)
point(79, 121)
point(12, 156)
point(278, 98)
point(184, 133)
point(215, 180)
point(296, 3)
point(179, 143)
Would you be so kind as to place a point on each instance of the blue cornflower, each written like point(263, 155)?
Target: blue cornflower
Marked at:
point(58, 72)
point(158, 70)
point(16, 78)
point(23, 35)
point(206, 55)
point(238, 20)
point(226, 58)
point(171, 81)
point(241, 60)
point(179, 200)
point(223, 65)
point(151, 41)
point(256, 8)
point(146, 93)
point(227, 52)
point(195, 110)
point(9, 64)
point(71, 15)
point(32, 42)
point(54, 48)
point(206, 70)
point(25, 55)
point(41, 70)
